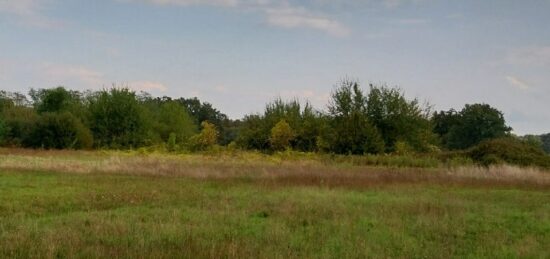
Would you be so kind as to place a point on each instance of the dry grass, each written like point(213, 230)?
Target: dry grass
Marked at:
point(265, 170)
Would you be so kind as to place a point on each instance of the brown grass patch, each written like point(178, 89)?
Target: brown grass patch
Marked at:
point(228, 168)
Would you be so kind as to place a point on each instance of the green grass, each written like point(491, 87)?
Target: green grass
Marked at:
point(48, 214)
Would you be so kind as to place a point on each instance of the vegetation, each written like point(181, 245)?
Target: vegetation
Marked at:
point(379, 120)
point(91, 204)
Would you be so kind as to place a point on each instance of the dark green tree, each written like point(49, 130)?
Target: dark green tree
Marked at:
point(545, 142)
point(56, 99)
point(477, 122)
point(118, 119)
point(59, 131)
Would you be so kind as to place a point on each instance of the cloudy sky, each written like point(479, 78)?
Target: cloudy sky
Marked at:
point(240, 54)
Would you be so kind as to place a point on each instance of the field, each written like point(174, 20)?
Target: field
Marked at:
point(245, 205)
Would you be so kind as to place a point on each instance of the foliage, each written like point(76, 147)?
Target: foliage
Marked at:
point(475, 123)
point(171, 144)
point(545, 139)
point(59, 131)
point(281, 135)
point(203, 111)
point(351, 132)
point(18, 121)
point(255, 131)
point(509, 150)
point(398, 119)
point(118, 120)
point(207, 138)
point(2, 130)
point(169, 117)
point(56, 99)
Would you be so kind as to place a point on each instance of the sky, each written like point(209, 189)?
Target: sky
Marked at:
point(241, 54)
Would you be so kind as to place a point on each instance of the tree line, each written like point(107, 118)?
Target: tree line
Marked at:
point(376, 120)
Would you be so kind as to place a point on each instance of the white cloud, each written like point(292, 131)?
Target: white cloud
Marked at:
point(147, 86)
point(300, 18)
point(277, 13)
point(28, 12)
point(518, 83)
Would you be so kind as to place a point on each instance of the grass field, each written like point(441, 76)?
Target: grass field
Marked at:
point(125, 205)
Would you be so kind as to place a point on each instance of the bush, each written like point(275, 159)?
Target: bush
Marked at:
point(281, 135)
point(59, 131)
point(118, 120)
point(207, 138)
point(509, 150)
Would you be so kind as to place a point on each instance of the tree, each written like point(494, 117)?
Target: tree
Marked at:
point(398, 119)
point(255, 130)
point(350, 129)
point(545, 142)
point(477, 122)
point(281, 135)
point(118, 120)
point(59, 131)
point(203, 111)
point(17, 116)
point(207, 138)
point(443, 122)
point(167, 117)
point(56, 99)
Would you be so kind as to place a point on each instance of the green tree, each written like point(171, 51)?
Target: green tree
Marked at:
point(203, 111)
point(545, 139)
point(17, 116)
point(350, 129)
point(59, 131)
point(281, 135)
point(477, 122)
point(255, 130)
point(118, 120)
point(169, 117)
point(399, 119)
point(56, 99)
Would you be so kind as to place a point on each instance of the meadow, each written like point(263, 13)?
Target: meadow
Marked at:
point(83, 204)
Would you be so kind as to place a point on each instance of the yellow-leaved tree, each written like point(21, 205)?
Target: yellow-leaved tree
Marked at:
point(281, 136)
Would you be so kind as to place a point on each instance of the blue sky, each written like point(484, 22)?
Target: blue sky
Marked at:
point(240, 54)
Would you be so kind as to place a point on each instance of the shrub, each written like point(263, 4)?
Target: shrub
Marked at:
point(281, 135)
point(206, 139)
point(59, 131)
point(118, 120)
point(509, 150)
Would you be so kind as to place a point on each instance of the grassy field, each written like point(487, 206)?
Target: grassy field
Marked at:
point(125, 205)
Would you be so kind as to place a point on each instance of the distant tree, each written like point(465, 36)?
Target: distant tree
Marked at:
point(2, 130)
point(167, 117)
point(118, 120)
point(17, 116)
point(203, 111)
point(399, 119)
point(443, 122)
point(255, 130)
point(56, 99)
point(281, 135)
point(206, 139)
point(532, 140)
point(477, 122)
point(59, 131)
point(545, 139)
point(350, 129)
